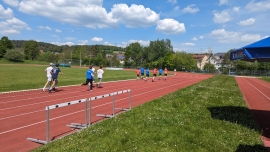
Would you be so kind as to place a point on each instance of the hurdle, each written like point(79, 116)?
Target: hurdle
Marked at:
point(113, 105)
point(74, 125)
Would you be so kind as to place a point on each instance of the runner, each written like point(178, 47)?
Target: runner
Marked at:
point(55, 71)
point(99, 73)
point(165, 73)
point(142, 73)
point(160, 73)
point(174, 71)
point(89, 78)
point(154, 74)
point(49, 77)
point(147, 74)
point(138, 73)
point(93, 69)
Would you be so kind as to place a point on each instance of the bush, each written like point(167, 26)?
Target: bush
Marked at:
point(13, 54)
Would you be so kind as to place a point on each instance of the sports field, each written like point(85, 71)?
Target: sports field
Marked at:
point(188, 112)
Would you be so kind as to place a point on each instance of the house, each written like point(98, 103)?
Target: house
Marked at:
point(121, 58)
point(201, 60)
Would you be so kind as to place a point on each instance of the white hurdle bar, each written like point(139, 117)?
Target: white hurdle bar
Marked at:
point(113, 107)
point(48, 108)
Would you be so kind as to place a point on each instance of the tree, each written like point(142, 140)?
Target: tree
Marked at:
point(14, 54)
point(31, 50)
point(5, 44)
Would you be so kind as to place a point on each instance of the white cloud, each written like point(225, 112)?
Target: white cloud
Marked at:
point(45, 27)
point(201, 37)
point(176, 8)
point(222, 17)
point(87, 13)
point(172, 1)
point(12, 26)
point(135, 15)
point(247, 22)
point(107, 43)
point(142, 42)
point(82, 42)
point(191, 9)
point(58, 31)
point(236, 9)
point(170, 26)
point(223, 2)
point(6, 14)
point(194, 39)
point(64, 43)
point(259, 6)
point(13, 3)
point(224, 36)
point(97, 39)
point(187, 44)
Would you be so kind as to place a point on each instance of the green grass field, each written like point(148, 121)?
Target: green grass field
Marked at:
point(20, 77)
point(208, 116)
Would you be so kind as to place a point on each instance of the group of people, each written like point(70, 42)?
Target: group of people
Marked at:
point(90, 77)
point(52, 74)
point(140, 73)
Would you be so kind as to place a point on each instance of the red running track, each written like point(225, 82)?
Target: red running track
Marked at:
point(257, 96)
point(23, 114)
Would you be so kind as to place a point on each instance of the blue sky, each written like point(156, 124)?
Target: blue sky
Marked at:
point(194, 26)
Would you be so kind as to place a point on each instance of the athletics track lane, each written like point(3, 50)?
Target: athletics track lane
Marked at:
point(23, 114)
point(257, 96)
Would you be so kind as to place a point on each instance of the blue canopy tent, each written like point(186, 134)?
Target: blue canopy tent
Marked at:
point(259, 51)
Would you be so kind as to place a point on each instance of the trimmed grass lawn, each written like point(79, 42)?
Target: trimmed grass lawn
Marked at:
point(208, 116)
point(19, 77)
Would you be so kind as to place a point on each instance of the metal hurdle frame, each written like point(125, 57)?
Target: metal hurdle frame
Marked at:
point(113, 106)
point(48, 108)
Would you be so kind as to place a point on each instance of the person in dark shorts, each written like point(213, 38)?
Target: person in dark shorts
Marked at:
point(89, 78)
point(55, 71)
point(142, 73)
point(154, 74)
point(147, 74)
point(165, 73)
point(138, 73)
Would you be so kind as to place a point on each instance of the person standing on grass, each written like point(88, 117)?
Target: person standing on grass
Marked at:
point(147, 74)
point(142, 73)
point(154, 74)
point(138, 73)
point(165, 73)
point(89, 78)
point(49, 77)
point(55, 71)
point(100, 74)
point(160, 73)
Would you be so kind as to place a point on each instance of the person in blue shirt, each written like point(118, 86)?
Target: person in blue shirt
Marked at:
point(147, 74)
point(89, 78)
point(160, 73)
point(55, 71)
point(142, 73)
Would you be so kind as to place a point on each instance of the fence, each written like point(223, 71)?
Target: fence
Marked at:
point(255, 73)
point(87, 113)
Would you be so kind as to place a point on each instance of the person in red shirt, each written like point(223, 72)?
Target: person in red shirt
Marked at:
point(138, 73)
point(165, 73)
point(154, 74)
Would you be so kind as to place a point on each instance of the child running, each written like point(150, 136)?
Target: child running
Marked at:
point(142, 73)
point(160, 73)
point(49, 77)
point(89, 78)
point(55, 71)
point(147, 74)
point(138, 73)
point(165, 73)
point(99, 73)
point(154, 74)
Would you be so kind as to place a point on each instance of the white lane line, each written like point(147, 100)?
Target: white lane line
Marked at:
point(83, 110)
point(21, 114)
point(258, 90)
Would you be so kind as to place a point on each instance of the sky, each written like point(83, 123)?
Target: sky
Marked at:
point(193, 26)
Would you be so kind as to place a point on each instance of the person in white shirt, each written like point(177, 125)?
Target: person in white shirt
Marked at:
point(93, 69)
point(49, 76)
point(100, 74)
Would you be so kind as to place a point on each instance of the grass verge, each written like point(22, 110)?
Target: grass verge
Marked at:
point(21, 77)
point(208, 116)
